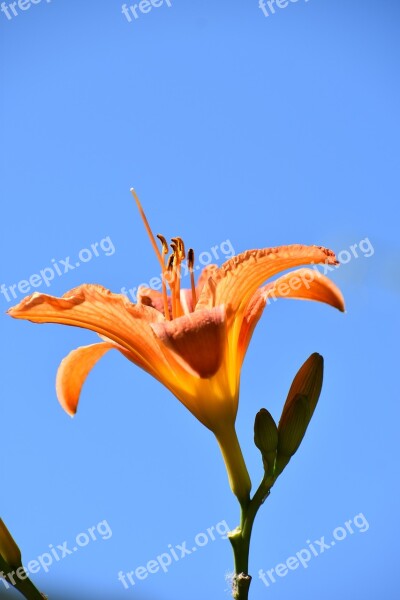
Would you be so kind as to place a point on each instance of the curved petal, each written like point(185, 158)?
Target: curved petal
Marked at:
point(306, 284)
point(204, 276)
point(186, 298)
point(149, 297)
point(73, 371)
point(111, 315)
point(197, 340)
point(253, 314)
point(128, 328)
point(238, 279)
point(301, 284)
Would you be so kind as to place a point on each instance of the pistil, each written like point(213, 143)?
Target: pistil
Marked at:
point(160, 257)
point(148, 228)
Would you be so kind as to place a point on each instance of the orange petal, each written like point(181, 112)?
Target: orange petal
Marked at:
point(253, 314)
point(198, 343)
point(302, 284)
point(306, 284)
point(205, 275)
point(197, 340)
point(238, 279)
point(155, 299)
point(186, 298)
point(111, 315)
point(73, 371)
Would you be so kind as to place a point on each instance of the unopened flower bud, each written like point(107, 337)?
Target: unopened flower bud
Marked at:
point(266, 438)
point(308, 382)
point(293, 425)
point(299, 408)
point(8, 548)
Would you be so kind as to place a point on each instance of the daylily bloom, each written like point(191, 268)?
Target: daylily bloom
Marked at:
point(191, 340)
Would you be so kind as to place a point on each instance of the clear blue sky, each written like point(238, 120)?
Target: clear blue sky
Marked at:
point(232, 126)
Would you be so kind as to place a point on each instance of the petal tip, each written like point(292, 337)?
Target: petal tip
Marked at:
point(340, 304)
point(67, 408)
point(69, 412)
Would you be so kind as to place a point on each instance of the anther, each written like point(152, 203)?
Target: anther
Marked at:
point(190, 261)
point(181, 247)
point(163, 242)
point(170, 262)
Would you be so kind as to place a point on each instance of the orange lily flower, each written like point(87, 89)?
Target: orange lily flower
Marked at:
point(192, 341)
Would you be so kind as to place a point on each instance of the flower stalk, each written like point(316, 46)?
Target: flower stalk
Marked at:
point(28, 589)
point(11, 568)
point(239, 479)
point(240, 539)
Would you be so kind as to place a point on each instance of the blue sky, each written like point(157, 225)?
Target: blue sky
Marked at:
point(234, 127)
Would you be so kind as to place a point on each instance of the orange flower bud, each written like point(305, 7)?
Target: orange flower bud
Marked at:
point(308, 382)
point(299, 408)
point(293, 425)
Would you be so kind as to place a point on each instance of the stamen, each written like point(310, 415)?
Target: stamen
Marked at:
point(170, 263)
point(181, 247)
point(156, 250)
point(164, 243)
point(171, 281)
point(190, 261)
point(179, 250)
point(178, 260)
point(163, 283)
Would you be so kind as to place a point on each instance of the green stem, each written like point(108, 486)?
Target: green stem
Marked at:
point(24, 586)
point(28, 590)
point(240, 540)
point(239, 478)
